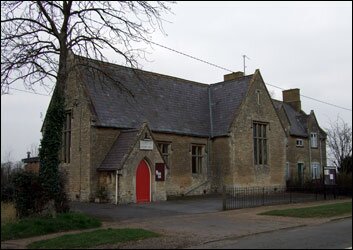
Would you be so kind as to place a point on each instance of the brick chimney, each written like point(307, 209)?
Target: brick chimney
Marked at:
point(233, 76)
point(292, 97)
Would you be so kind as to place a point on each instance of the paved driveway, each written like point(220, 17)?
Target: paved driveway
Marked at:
point(110, 212)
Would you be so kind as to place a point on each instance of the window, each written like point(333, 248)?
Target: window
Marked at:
point(165, 150)
point(260, 144)
point(313, 140)
point(315, 170)
point(300, 143)
point(67, 137)
point(258, 96)
point(196, 161)
point(287, 171)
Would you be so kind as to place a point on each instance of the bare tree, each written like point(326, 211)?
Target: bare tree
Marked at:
point(36, 36)
point(339, 141)
point(33, 149)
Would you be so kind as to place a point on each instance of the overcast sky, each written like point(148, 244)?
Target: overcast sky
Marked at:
point(305, 45)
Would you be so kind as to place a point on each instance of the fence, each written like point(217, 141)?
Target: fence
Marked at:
point(235, 197)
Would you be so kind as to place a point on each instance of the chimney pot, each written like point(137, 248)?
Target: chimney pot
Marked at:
point(28, 155)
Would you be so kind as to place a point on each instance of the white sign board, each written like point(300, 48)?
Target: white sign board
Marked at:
point(331, 176)
point(146, 144)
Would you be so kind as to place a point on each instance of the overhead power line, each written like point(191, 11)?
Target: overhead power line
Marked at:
point(211, 64)
point(27, 91)
point(314, 99)
point(192, 57)
point(220, 67)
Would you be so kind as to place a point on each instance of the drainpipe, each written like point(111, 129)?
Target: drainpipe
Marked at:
point(116, 187)
point(322, 167)
point(211, 135)
point(310, 154)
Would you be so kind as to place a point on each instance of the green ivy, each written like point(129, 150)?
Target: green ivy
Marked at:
point(51, 147)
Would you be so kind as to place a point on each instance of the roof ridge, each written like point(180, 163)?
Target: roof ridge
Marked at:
point(145, 71)
point(232, 80)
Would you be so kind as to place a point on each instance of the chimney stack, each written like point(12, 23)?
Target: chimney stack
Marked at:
point(28, 155)
point(233, 76)
point(292, 97)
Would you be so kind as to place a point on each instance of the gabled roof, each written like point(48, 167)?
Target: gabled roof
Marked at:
point(297, 120)
point(226, 98)
point(168, 104)
point(120, 150)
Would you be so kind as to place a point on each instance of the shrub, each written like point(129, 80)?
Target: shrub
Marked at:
point(28, 195)
point(7, 192)
point(344, 183)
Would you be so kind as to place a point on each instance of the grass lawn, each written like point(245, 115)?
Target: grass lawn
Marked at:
point(94, 238)
point(35, 226)
point(329, 210)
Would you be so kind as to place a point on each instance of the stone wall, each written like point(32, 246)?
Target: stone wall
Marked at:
point(257, 107)
point(78, 171)
point(180, 178)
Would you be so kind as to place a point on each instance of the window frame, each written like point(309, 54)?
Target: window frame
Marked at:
point(198, 156)
point(166, 156)
point(315, 174)
point(67, 137)
point(313, 140)
point(260, 143)
point(300, 145)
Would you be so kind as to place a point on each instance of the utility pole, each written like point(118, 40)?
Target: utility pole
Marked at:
point(244, 56)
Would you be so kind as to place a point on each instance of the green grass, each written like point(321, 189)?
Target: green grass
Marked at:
point(94, 238)
point(322, 211)
point(35, 226)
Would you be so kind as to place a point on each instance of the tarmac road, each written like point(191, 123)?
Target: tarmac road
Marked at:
point(331, 235)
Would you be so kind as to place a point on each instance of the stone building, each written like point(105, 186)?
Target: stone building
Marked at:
point(31, 163)
point(137, 136)
point(306, 143)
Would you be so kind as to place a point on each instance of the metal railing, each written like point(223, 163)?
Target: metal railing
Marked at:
point(244, 197)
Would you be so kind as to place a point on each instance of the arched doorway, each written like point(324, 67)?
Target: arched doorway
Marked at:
point(143, 183)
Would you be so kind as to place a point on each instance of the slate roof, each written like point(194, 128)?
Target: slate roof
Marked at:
point(226, 98)
point(119, 151)
point(297, 120)
point(166, 103)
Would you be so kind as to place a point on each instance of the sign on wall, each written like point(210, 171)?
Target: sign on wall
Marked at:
point(160, 171)
point(146, 144)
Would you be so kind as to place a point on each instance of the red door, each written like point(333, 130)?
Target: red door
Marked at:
point(143, 183)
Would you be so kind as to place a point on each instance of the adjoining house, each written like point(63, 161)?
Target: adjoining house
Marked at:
point(141, 136)
point(31, 163)
point(306, 141)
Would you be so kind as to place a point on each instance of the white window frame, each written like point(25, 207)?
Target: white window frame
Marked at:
point(300, 143)
point(313, 140)
point(315, 170)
